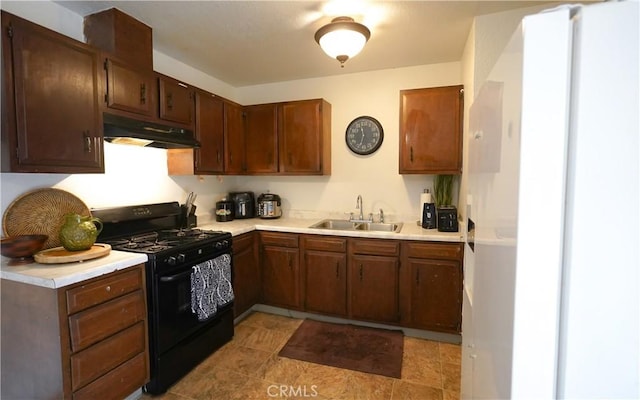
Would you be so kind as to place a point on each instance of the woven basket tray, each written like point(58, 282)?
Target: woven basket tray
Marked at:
point(42, 211)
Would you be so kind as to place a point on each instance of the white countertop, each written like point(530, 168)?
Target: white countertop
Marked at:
point(59, 275)
point(410, 230)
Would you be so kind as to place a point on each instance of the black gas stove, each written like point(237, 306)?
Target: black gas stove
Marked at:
point(155, 242)
point(181, 334)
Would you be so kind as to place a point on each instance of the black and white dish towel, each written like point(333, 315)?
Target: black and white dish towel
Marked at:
point(211, 286)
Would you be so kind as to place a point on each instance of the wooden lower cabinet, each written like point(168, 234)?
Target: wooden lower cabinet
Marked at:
point(87, 340)
point(414, 284)
point(432, 283)
point(374, 271)
point(246, 273)
point(325, 274)
point(280, 269)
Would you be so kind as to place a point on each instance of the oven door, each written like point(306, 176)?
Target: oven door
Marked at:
point(175, 319)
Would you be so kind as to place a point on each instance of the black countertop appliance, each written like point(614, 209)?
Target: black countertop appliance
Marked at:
point(225, 210)
point(244, 203)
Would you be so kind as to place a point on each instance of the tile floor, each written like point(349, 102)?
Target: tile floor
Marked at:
point(248, 367)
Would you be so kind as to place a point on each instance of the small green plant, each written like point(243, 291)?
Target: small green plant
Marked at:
point(442, 189)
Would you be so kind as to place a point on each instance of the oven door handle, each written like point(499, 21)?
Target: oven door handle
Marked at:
point(175, 277)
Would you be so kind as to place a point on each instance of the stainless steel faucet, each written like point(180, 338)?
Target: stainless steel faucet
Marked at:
point(381, 216)
point(359, 207)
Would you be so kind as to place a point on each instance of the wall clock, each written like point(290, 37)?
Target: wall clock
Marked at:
point(364, 135)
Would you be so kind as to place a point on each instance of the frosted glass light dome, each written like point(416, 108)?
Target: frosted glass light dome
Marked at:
point(343, 38)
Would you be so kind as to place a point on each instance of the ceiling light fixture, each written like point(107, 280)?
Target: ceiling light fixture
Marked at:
point(343, 38)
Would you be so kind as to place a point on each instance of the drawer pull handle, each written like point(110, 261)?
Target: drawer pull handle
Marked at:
point(360, 272)
point(108, 288)
point(338, 269)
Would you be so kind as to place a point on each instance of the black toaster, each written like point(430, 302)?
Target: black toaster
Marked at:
point(447, 219)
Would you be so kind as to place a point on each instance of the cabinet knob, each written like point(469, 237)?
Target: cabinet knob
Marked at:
point(108, 288)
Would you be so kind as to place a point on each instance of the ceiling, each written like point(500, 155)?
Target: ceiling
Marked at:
point(246, 43)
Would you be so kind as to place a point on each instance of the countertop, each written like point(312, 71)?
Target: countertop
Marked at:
point(60, 275)
point(410, 230)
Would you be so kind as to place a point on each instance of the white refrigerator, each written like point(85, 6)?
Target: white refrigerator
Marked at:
point(551, 303)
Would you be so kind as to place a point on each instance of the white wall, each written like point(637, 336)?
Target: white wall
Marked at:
point(376, 176)
point(136, 175)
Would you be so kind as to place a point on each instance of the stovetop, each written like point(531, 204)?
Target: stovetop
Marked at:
point(169, 239)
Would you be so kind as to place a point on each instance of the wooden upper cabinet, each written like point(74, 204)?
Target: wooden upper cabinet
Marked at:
point(234, 154)
point(290, 138)
point(209, 158)
point(431, 130)
point(129, 89)
point(176, 101)
point(261, 138)
point(305, 137)
point(51, 120)
point(122, 36)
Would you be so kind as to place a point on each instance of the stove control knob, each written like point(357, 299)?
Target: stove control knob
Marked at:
point(171, 260)
point(181, 258)
point(218, 245)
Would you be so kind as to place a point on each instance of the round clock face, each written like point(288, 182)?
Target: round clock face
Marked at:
point(364, 135)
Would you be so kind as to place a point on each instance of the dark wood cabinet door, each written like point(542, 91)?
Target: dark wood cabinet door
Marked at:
point(261, 138)
point(374, 288)
point(325, 282)
point(234, 159)
point(436, 302)
point(280, 276)
point(130, 89)
point(209, 131)
point(303, 139)
point(176, 101)
point(431, 130)
point(246, 273)
point(51, 120)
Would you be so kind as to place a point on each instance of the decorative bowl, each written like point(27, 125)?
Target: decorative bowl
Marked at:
point(22, 247)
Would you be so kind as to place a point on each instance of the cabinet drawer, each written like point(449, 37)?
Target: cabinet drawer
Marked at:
point(92, 325)
point(446, 251)
point(279, 239)
point(119, 383)
point(374, 247)
point(242, 242)
point(85, 296)
point(101, 358)
point(325, 243)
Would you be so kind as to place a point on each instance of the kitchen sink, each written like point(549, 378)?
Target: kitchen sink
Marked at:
point(379, 227)
point(343, 225)
point(336, 224)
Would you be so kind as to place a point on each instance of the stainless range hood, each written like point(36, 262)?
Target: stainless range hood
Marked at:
point(123, 130)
